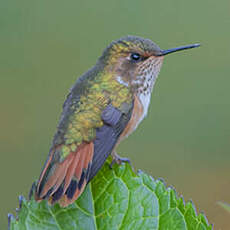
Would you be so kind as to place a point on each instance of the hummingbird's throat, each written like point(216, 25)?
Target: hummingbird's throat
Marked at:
point(146, 75)
point(145, 80)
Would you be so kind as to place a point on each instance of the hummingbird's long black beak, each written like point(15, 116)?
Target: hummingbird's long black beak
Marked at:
point(169, 51)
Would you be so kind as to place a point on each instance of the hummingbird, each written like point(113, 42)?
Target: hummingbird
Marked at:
point(104, 106)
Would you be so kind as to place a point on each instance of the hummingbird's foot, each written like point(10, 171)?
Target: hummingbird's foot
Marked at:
point(119, 160)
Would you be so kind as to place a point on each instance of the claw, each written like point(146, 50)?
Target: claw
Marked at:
point(119, 160)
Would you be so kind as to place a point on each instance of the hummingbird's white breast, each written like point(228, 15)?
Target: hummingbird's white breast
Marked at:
point(145, 82)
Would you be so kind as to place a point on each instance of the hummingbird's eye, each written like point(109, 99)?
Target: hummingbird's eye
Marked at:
point(135, 56)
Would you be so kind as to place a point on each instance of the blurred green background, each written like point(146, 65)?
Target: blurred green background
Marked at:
point(46, 45)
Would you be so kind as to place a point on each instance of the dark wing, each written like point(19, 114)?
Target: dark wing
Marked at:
point(107, 136)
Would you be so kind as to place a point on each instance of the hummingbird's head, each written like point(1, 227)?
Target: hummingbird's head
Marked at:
point(135, 61)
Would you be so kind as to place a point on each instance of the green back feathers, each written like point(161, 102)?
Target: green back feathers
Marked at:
point(84, 105)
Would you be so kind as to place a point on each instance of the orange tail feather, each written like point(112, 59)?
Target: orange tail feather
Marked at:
point(64, 182)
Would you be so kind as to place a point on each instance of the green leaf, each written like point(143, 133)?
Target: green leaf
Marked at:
point(115, 199)
point(225, 206)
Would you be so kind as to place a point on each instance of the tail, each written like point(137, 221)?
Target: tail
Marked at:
point(64, 181)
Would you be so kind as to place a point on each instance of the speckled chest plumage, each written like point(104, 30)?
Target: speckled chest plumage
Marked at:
point(143, 85)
